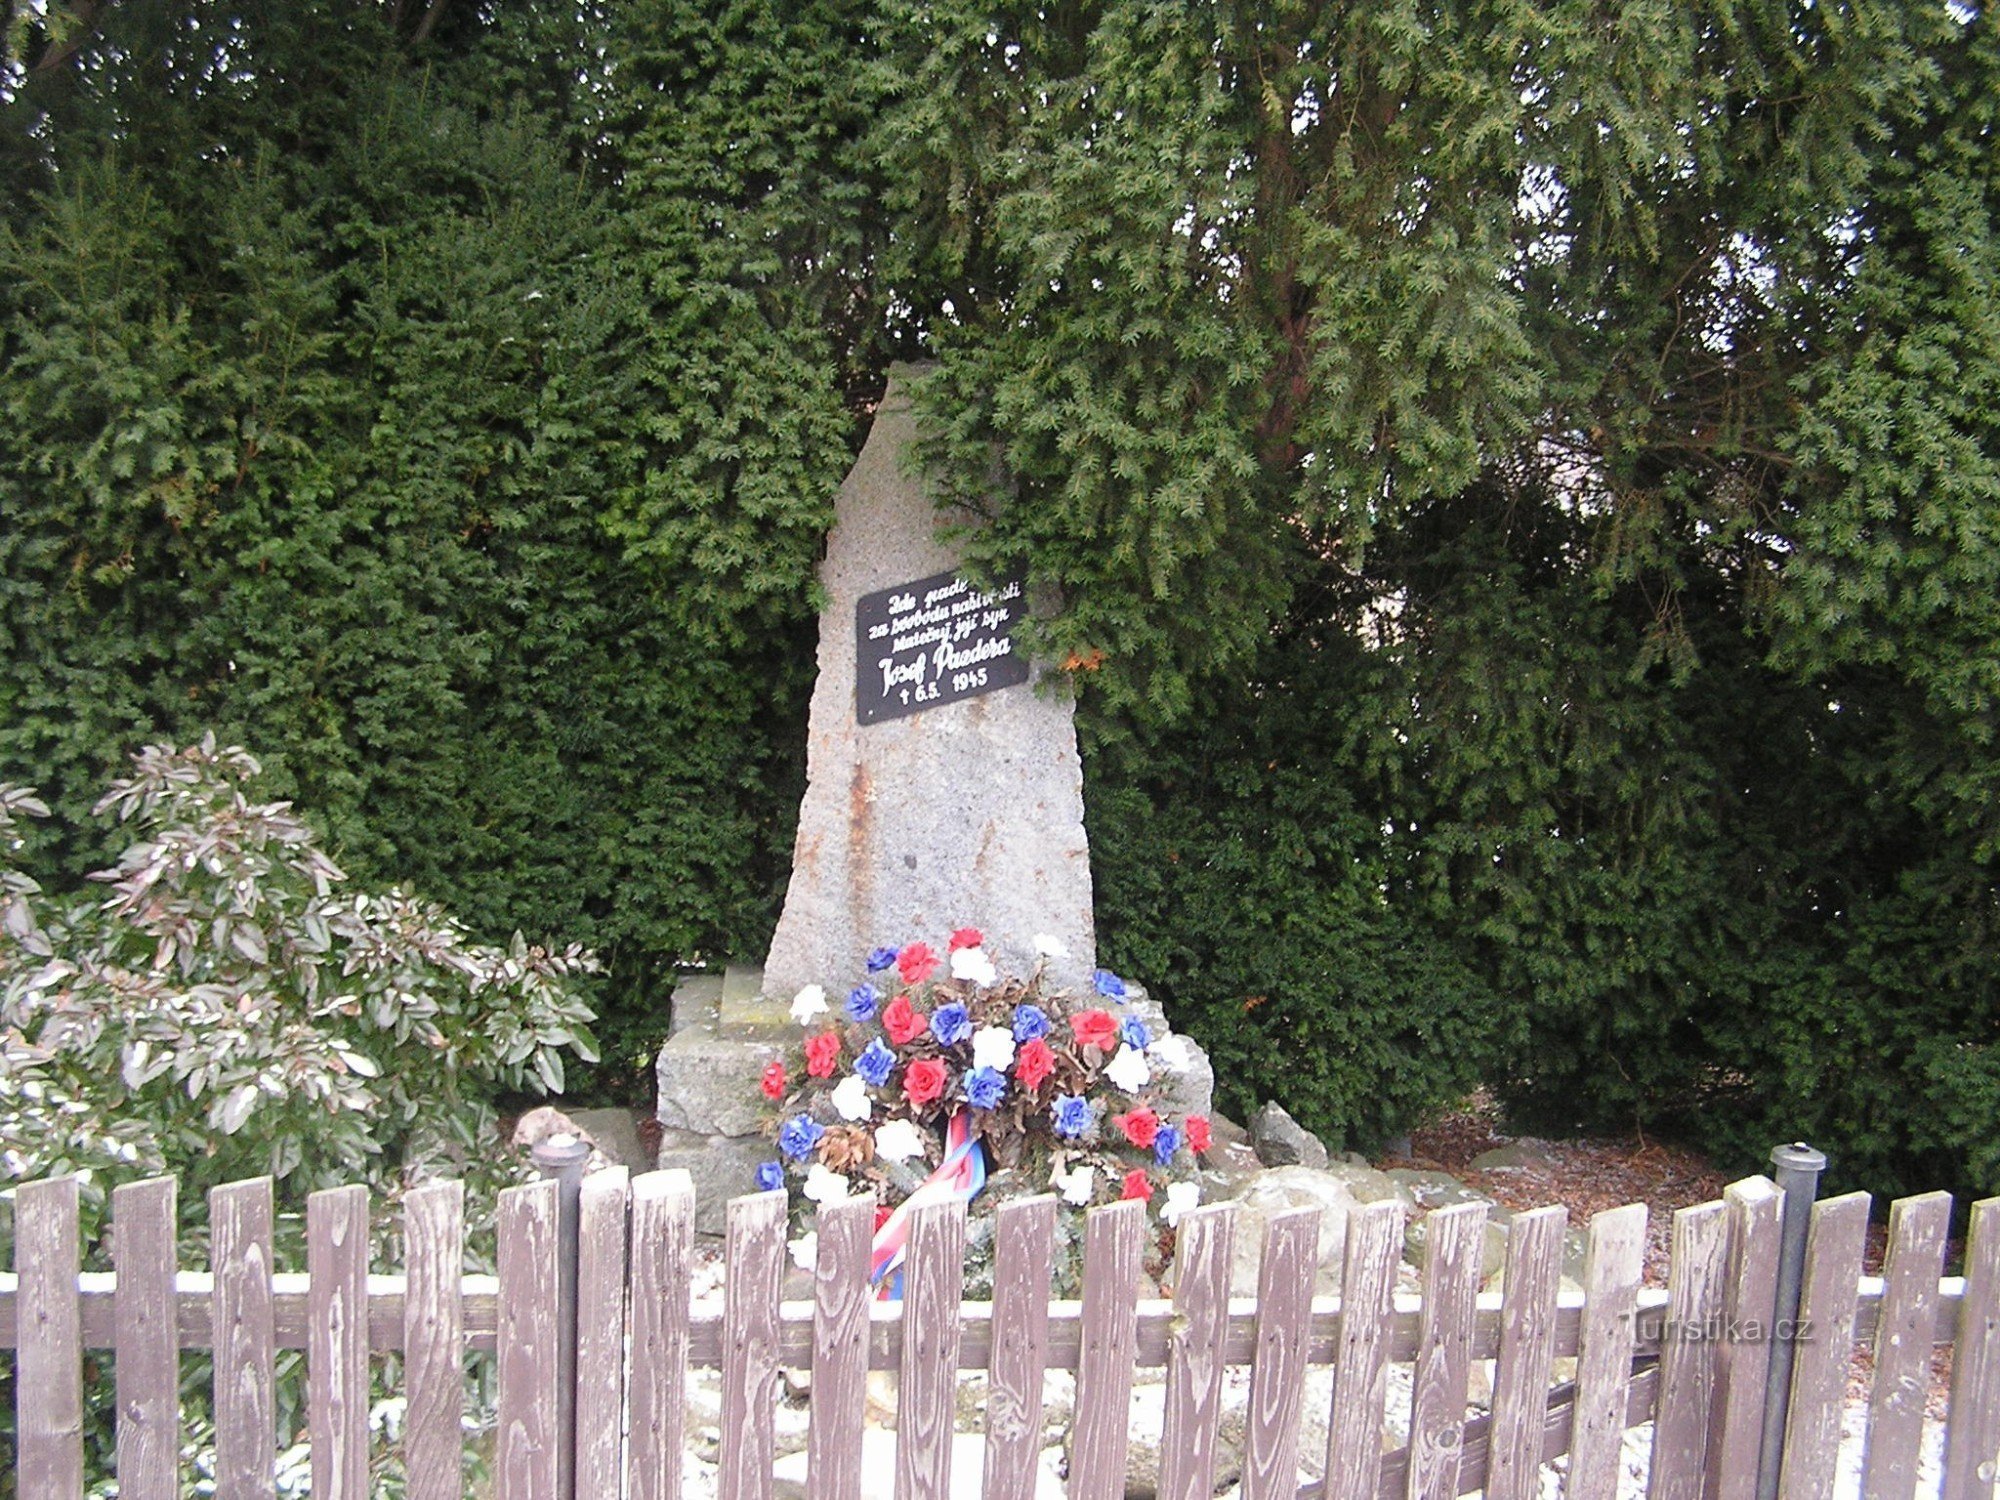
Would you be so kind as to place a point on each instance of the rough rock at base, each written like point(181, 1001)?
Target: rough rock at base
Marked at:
point(1282, 1141)
point(1335, 1191)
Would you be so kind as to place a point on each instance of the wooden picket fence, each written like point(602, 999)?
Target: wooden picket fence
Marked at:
point(1692, 1359)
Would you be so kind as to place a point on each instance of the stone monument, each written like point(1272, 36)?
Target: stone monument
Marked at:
point(944, 790)
point(943, 783)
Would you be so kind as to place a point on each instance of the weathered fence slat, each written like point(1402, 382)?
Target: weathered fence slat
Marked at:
point(600, 1332)
point(1361, 1370)
point(144, 1225)
point(337, 1346)
point(1972, 1438)
point(48, 1384)
point(1527, 1353)
point(1742, 1364)
point(662, 1257)
point(1613, 1260)
point(1697, 1283)
point(927, 1387)
point(433, 1340)
point(525, 1461)
point(840, 1349)
point(1452, 1241)
point(1278, 1369)
point(1195, 1370)
point(1113, 1245)
point(1903, 1346)
point(1023, 1251)
point(1819, 1369)
point(755, 1274)
point(244, 1339)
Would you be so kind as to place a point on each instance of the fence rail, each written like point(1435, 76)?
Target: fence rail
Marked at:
point(593, 1364)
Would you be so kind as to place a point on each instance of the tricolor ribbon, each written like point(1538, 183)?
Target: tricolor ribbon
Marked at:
point(959, 1176)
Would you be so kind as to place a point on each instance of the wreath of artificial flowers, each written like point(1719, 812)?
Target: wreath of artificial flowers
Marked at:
point(928, 1046)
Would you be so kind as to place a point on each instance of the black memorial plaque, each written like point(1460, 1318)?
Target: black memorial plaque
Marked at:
point(938, 640)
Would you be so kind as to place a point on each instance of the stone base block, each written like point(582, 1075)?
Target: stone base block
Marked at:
point(746, 1014)
point(696, 1003)
point(722, 1166)
point(708, 1084)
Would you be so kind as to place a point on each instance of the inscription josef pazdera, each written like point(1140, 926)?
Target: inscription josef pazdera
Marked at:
point(925, 644)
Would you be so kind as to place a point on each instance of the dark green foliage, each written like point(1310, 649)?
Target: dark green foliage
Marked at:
point(1524, 487)
point(355, 420)
point(1527, 489)
point(1255, 886)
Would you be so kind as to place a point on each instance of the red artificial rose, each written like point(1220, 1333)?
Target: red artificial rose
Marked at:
point(966, 937)
point(924, 1080)
point(1197, 1132)
point(822, 1054)
point(882, 1212)
point(903, 1021)
point(773, 1082)
point(1140, 1126)
point(1033, 1062)
point(1094, 1028)
point(1137, 1185)
point(916, 963)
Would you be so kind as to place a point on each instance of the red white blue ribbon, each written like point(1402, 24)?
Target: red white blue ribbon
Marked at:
point(958, 1177)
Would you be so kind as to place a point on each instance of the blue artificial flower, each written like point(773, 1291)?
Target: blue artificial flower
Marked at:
point(875, 1064)
point(984, 1086)
point(798, 1135)
point(1133, 1033)
point(1072, 1115)
point(1166, 1143)
point(1108, 984)
point(1030, 1023)
point(951, 1024)
point(861, 1003)
point(770, 1175)
point(880, 959)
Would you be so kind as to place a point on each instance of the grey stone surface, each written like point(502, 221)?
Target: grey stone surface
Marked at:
point(1442, 1190)
point(1282, 1141)
point(615, 1133)
point(746, 1013)
point(966, 814)
point(1335, 1192)
point(1226, 1132)
point(696, 1001)
point(1526, 1152)
point(722, 1166)
point(708, 1084)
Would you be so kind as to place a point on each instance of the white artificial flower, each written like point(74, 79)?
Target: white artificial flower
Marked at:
point(1050, 947)
point(1075, 1185)
point(993, 1047)
point(824, 1185)
point(1170, 1051)
point(805, 1251)
point(898, 1141)
point(1128, 1070)
point(973, 964)
point(808, 1003)
point(850, 1097)
point(1181, 1196)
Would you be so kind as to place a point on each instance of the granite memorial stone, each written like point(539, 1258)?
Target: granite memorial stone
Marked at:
point(943, 788)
